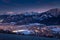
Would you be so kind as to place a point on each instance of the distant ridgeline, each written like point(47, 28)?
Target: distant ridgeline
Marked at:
point(50, 17)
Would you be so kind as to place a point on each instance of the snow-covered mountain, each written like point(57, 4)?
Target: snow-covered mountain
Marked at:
point(55, 12)
point(55, 18)
point(49, 17)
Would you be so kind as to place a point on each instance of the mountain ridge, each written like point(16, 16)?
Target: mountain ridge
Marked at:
point(47, 18)
point(55, 11)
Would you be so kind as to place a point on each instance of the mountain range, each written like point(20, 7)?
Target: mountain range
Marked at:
point(50, 17)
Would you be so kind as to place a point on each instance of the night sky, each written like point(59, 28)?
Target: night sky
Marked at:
point(28, 5)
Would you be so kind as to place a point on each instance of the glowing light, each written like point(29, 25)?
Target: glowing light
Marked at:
point(36, 31)
point(20, 30)
point(1, 20)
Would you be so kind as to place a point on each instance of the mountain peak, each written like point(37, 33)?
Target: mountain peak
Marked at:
point(55, 11)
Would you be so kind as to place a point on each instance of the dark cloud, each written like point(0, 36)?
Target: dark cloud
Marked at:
point(24, 5)
point(30, 2)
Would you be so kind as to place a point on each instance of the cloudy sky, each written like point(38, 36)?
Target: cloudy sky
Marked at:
point(28, 5)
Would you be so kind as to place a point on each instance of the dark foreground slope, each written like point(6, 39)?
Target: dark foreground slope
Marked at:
point(17, 37)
